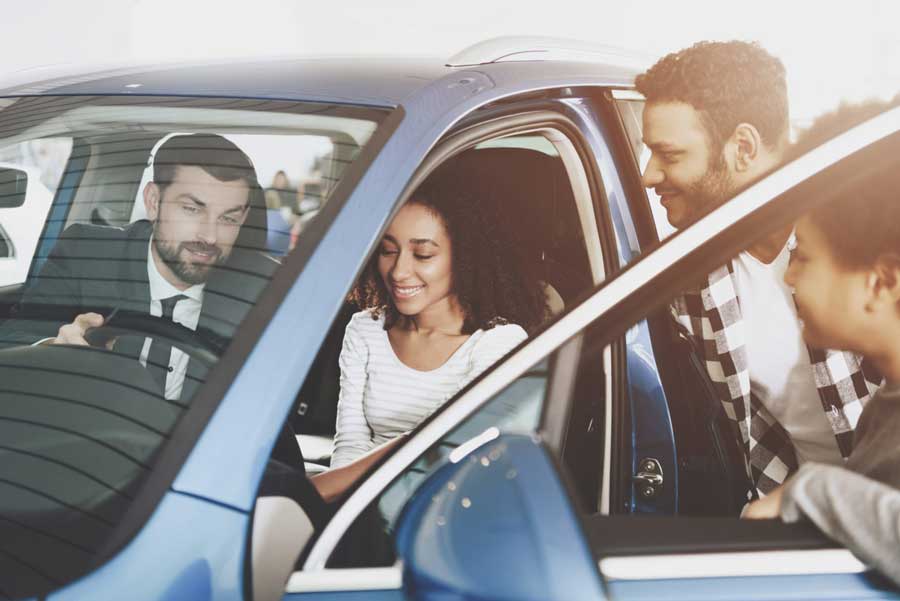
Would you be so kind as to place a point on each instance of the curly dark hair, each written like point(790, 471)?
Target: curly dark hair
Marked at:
point(728, 83)
point(862, 222)
point(488, 275)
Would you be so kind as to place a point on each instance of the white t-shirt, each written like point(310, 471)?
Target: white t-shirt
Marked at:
point(780, 372)
point(381, 397)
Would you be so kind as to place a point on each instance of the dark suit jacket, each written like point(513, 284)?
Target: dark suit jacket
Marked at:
point(100, 268)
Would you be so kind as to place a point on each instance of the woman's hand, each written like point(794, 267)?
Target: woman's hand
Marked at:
point(766, 508)
point(333, 483)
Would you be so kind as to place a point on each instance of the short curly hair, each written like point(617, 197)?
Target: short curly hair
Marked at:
point(862, 222)
point(728, 83)
point(488, 276)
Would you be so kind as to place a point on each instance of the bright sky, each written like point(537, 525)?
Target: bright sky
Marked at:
point(832, 51)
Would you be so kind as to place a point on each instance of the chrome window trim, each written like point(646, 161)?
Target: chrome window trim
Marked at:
point(346, 580)
point(730, 565)
point(606, 476)
point(598, 303)
point(627, 95)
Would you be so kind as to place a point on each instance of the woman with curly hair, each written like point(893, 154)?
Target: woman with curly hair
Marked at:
point(443, 298)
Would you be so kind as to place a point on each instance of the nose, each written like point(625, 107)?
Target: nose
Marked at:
point(402, 267)
point(653, 175)
point(208, 231)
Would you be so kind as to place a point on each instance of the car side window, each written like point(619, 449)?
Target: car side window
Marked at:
point(30, 175)
point(515, 410)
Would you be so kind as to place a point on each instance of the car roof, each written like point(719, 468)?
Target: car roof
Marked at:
point(383, 81)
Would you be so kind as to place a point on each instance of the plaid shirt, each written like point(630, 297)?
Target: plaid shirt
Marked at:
point(712, 314)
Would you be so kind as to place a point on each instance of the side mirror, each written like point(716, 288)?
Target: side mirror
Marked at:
point(13, 183)
point(497, 524)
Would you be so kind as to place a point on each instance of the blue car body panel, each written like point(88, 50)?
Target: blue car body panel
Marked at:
point(190, 549)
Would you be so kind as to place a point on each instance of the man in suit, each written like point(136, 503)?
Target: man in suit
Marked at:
point(196, 261)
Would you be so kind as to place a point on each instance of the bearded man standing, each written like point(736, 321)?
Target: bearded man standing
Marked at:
point(715, 120)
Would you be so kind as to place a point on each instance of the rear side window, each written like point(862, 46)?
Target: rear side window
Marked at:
point(30, 174)
point(166, 219)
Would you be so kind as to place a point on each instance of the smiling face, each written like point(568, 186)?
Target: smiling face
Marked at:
point(689, 180)
point(831, 298)
point(196, 220)
point(415, 262)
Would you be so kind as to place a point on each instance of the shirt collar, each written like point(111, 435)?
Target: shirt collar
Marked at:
point(160, 288)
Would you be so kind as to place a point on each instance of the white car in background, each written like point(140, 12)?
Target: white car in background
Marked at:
point(24, 203)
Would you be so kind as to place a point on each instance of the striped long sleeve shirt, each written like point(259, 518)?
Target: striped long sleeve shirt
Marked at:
point(381, 397)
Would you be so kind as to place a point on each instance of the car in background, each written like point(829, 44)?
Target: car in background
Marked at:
point(534, 482)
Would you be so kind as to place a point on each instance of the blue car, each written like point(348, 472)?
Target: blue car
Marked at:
point(592, 462)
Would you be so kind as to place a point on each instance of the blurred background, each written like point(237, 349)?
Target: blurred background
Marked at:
point(832, 50)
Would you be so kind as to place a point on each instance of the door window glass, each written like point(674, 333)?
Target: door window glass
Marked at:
point(40, 162)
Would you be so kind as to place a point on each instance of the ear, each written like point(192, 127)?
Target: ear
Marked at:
point(151, 200)
point(884, 281)
point(745, 145)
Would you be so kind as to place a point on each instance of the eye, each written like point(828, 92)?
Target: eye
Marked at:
point(230, 220)
point(384, 251)
point(190, 209)
point(668, 157)
point(423, 257)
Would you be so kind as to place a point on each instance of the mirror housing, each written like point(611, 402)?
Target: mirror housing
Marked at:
point(497, 524)
point(13, 184)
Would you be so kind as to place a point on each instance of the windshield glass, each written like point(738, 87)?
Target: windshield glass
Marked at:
point(135, 235)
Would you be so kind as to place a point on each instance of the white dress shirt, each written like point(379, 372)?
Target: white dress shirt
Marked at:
point(186, 313)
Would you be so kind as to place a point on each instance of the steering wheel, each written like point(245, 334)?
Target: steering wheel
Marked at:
point(131, 323)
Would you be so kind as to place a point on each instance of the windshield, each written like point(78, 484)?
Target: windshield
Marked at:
point(135, 235)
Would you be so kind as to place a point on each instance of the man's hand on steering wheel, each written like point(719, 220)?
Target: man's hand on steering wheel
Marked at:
point(73, 333)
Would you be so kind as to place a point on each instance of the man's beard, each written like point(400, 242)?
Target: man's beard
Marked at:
point(190, 273)
point(712, 189)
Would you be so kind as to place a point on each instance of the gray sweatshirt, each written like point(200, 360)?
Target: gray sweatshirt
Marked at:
point(858, 506)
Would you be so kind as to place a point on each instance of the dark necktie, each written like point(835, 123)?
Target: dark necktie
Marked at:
point(160, 349)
